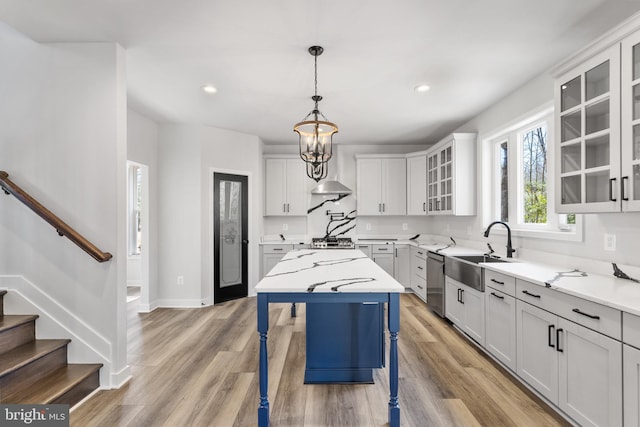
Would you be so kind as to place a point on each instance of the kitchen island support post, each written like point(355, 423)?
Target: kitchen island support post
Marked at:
point(263, 327)
point(393, 302)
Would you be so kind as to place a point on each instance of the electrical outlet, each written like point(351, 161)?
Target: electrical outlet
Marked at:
point(609, 242)
point(368, 227)
point(405, 226)
point(180, 280)
point(285, 227)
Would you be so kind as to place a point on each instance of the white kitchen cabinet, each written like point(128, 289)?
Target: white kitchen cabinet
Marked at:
point(271, 255)
point(465, 307)
point(402, 265)
point(631, 374)
point(366, 249)
point(285, 187)
point(630, 132)
point(536, 355)
point(382, 254)
point(417, 184)
point(577, 369)
point(590, 375)
point(587, 106)
point(500, 312)
point(451, 176)
point(381, 185)
point(418, 265)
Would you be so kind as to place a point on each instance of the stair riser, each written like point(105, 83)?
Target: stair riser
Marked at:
point(28, 375)
point(17, 336)
point(81, 390)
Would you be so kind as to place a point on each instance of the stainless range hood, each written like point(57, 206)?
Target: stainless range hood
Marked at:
point(331, 187)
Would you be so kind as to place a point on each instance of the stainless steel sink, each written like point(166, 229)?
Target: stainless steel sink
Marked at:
point(476, 259)
point(466, 269)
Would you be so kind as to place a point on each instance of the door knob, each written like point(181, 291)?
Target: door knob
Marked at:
point(245, 241)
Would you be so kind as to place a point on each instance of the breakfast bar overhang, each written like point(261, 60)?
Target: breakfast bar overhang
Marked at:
point(329, 276)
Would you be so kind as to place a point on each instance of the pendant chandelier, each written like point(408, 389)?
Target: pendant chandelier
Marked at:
point(315, 136)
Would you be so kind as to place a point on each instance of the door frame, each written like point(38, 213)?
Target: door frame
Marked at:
point(143, 303)
point(209, 290)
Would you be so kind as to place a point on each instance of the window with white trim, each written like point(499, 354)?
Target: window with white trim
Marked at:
point(521, 187)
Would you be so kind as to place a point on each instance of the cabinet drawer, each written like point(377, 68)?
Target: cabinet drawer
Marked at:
point(276, 249)
point(500, 282)
point(382, 249)
point(600, 318)
point(420, 268)
point(631, 329)
point(419, 252)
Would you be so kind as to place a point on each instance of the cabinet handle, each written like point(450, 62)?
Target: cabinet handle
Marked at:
point(383, 249)
point(551, 328)
point(498, 282)
point(420, 287)
point(611, 190)
point(420, 253)
point(396, 252)
point(590, 316)
point(277, 249)
point(459, 298)
point(526, 292)
point(497, 296)
point(558, 340)
point(284, 207)
point(288, 206)
point(624, 178)
point(379, 207)
point(420, 268)
point(383, 207)
point(424, 207)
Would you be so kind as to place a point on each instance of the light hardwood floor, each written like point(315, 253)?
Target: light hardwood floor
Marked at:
point(198, 367)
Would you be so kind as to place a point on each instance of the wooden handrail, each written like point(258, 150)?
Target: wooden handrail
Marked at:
point(61, 227)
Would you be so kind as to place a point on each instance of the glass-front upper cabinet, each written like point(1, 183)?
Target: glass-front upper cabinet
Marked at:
point(588, 136)
point(630, 146)
point(451, 176)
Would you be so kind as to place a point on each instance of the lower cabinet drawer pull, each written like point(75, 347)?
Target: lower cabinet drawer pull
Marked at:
point(277, 249)
point(420, 268)
point(498, 282)
point(526, 292)
point(496, 295)
point(590, 316)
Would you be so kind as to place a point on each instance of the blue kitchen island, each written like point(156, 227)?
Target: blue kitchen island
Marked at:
point(347, 289)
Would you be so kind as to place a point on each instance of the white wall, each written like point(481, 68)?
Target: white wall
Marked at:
point(187, 155)
point(142, 147)
point(62, 139)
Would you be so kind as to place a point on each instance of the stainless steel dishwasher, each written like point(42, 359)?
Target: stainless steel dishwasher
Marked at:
point(435, 282)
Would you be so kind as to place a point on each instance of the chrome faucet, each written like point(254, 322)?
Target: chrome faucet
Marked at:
point(510, 249)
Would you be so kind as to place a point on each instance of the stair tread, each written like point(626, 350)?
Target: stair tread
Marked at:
point(54, 385)
point(27, 353)
point(9, 321)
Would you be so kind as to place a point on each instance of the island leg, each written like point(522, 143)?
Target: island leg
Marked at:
point(394, 327)
point(263, 327)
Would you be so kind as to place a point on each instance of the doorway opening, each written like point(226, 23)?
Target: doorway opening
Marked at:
point(230, 233)
point(138, 235)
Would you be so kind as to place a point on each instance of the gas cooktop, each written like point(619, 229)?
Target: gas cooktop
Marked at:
point(332, 242)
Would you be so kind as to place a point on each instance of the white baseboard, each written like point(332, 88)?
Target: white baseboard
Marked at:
point(55, 321)
point(147, 308)
point(179, 303)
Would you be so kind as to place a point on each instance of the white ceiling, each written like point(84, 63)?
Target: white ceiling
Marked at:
point(471, 53)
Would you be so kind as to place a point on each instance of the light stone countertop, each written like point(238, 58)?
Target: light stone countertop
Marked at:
point(329, 271)
point(610, 291)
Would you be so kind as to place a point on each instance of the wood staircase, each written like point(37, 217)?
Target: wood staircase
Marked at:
point(36, 371)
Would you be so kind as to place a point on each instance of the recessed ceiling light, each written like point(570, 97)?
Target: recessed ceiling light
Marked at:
point(421, 88)
point(209, 89)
